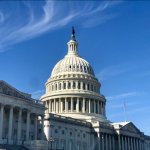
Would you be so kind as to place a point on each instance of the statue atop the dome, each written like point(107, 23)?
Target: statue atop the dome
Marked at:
point(73, 34)
point(73, 30)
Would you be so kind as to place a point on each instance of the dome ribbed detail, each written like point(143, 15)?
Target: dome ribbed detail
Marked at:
point(72, 64)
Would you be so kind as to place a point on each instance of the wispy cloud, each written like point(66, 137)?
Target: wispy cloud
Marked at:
point(114, 106)
point(123, 96)
point(112, 71)
point(37, 94)
point(49, 15)
point(1, 17)
point(136, 110)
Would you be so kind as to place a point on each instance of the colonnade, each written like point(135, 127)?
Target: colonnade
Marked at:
point(72, 84)
point(119, 142)
point(12, 119)
point(75, 104)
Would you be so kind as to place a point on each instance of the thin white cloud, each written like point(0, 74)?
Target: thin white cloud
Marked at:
point(112, 71)
point(131, 112)
point(122, 96)
point(1, 17)
point(50, 16)
point(122, 105)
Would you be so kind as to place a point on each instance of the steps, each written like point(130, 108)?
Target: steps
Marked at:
point(12, 147)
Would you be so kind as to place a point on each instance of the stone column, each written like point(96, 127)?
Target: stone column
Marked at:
point(101, 108)
point(46, 106)
point(110, 146)
point(54, 105)
point(103, 141)
point(83, 106)
point(66, 105)
point(94, 106)
point(129, 145)
point(98, 107)
point(42, 119)
point(132, 143)
point(28, 126)
point(1, 121)
point(50, 106)
point(71, 104)
point(59, 105)
point(119, 146)
point(77, 105)
point(89, 105)
point(106, 139)
point(125, 142)
point(113, 143)
point(122, 142)
point(62, 105)
point(137, 146)
point(36, 122)
point(19, 127)
point(10, 126)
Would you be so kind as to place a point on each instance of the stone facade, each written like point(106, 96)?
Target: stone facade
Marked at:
point(76, 107)
point(18, 116)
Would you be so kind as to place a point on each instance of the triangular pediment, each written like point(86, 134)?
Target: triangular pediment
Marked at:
point(130, 127)
point(7, 89)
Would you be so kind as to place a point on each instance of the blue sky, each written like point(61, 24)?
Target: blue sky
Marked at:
point(113, 37)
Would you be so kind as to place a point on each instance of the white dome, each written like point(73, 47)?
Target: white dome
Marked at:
point(72, 64)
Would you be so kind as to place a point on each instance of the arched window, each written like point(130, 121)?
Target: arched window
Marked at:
point(79, 85)
point(64, 85)
point(88, 87)
point(69, 85)
point(83, 86)
point(74, 85)
point(59, 86)
point(56, 86)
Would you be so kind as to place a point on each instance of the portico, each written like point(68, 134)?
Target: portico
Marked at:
point(18, 116)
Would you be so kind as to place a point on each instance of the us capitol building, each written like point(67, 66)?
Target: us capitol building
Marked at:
point(71, 115)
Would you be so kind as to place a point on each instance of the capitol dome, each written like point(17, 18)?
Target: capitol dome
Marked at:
point(72, 89)
point(72, 62)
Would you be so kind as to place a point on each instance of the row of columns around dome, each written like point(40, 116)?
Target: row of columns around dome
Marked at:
point(120, 142)
point(75, 104)
point(21, 124)
point(64, 85)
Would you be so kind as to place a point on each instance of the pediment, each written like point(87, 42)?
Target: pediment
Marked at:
point(7, 89)
point(130, 127)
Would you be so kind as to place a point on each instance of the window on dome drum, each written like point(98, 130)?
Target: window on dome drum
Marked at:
point(83, 86)
point(88, 86)
point(64, 85)
point(79, 85)
point(55, 86)
point(59, 86)
point(91, 87)
point(69, 85)
point(74, 85)
point(52, 87)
